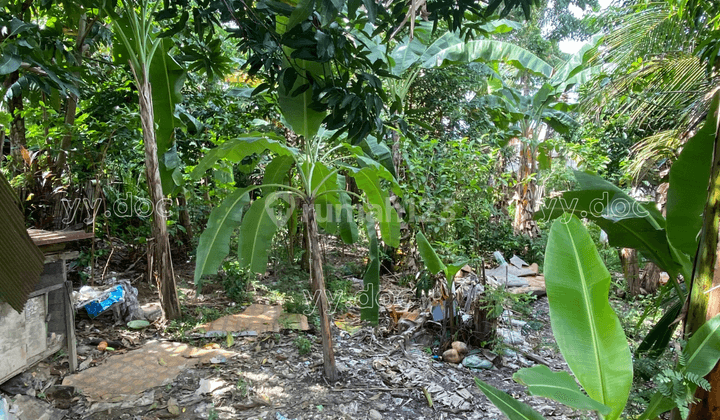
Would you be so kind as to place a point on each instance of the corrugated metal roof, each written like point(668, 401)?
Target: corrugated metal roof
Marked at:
point(21, 261)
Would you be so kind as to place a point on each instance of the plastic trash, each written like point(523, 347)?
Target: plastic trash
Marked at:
point(121, 297)
point(279, 416)
point(474, 361)
point(4, 409)
point(106, 300)
point(499, 258)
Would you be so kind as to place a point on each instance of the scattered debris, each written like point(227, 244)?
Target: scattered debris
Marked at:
point(121, 298)
point(25, 407)
point(138, 324)
point(474, 361)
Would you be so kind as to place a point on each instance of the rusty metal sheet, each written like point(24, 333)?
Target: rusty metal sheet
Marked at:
point(21, 261)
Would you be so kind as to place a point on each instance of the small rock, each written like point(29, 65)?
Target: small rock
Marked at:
point(460, 347)
point(452, 356)
point(381, 407)
point(513, 366)
point(374, 415)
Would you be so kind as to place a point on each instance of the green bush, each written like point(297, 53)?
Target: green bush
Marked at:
point(235, 281)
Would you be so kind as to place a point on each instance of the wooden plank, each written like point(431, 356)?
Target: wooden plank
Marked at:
point(44, 237)
point(70, 320)
point(13, 355)
point(57, 256)
point(46, 290)
point(35, 326)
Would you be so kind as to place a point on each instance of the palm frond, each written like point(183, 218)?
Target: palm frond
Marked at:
point(653, 152)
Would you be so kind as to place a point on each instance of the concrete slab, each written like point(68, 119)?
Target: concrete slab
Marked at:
point(258, 318)
point(155, 364)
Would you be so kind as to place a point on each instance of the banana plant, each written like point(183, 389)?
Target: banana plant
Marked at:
point(435, 265)
point(591, 338)
point(318, 190)
point(670, 242)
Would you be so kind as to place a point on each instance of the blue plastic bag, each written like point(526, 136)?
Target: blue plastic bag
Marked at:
point(111, 296)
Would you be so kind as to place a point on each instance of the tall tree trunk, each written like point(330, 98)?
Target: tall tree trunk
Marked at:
point(17, 125)
point(387, 265)
point(72, 100)
point(523, 222)
point(317, 283)
point(705, 289)
point(651, 279)
point(631, 270)
point(162, 260)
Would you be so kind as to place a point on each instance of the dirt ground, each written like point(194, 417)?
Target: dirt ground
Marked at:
point(384, 374)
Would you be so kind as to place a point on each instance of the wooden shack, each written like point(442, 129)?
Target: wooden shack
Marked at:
point(47, 323)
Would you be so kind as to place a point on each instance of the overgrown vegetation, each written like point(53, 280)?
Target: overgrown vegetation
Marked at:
point(304, 148)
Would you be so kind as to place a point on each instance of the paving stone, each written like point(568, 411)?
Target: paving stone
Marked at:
point(156, 363)
point(258, 318)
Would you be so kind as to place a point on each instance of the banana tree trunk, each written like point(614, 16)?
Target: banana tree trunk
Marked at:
point(631, 270)
point(705, 291)
point(523, 222)
point(317, 283)
point(17, 125)
point(162, 260)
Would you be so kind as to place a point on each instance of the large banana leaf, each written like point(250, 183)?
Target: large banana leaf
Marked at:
point(347, 226)
point(214, 243)
point(703, 349)
point(379, 152)
point(585, 327)
point(368, 181)
point(276, 172)
point(488, 51)
point(166, 79)
point(327, 203)
point(658, 404)
point(256, 231)
point(514, 409)
point(369, 306)
point(407, 54)
point(236, 150)
point(701, 354)
point(559, 386)
point(575, 64)
point(428, 255)
point(628, 223)
point(687, 194)
point(657, 339)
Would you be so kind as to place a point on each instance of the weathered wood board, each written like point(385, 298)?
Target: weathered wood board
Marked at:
point(23, 336)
